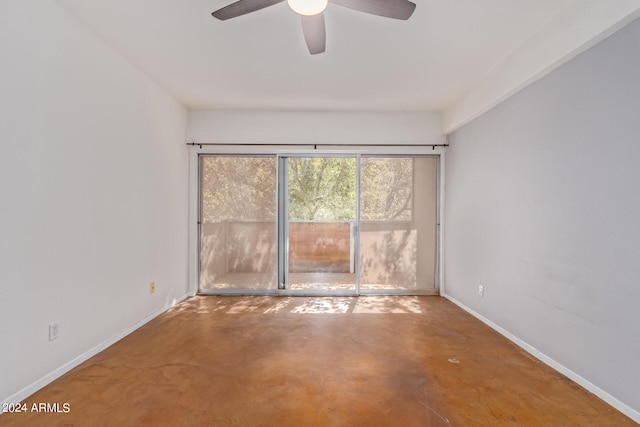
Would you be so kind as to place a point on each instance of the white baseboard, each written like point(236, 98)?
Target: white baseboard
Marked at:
point(625, 409)
point(52, 376)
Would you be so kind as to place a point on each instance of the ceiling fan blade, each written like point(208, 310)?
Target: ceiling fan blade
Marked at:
point(397, 9)
point(242, 7)
point(314, 33)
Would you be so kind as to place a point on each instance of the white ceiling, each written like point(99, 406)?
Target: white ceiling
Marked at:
point(260, 61)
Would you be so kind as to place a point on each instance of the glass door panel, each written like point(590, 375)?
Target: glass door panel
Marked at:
point(238, 224)
point(319, 231)
point(398, 208)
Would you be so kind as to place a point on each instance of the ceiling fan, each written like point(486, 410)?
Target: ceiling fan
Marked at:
point(312, 15)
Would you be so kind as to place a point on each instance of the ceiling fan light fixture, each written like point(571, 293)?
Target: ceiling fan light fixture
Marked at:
point(307, 7)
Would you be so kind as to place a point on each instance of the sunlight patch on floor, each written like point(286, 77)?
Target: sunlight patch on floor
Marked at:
point(343, 305)
point(324, 305)
point(388, 304)
point(302, 305)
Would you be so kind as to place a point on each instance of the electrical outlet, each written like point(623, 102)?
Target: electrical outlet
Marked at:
point(54, 330)
point(481, 290)
point(152, 287)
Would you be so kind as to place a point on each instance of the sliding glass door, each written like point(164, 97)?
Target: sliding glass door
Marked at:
point(318, 208)
point(237, 224)
point(318, 224)
point(398, 211)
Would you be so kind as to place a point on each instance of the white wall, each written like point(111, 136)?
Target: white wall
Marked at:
point(580, 26)
point(288, 127)
point(93, 190)
point(543, 209)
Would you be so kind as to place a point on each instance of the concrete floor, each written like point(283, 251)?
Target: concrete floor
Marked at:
point(273, 361)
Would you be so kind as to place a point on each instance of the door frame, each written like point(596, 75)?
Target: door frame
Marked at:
point(196, 150)
point(282, 230)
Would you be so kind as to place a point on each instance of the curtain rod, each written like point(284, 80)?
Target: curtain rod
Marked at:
point(315, 146)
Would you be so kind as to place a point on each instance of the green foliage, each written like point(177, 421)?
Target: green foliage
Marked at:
point(238, 188)
point(242, 188)
point(322, 189)
point(387, 188)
